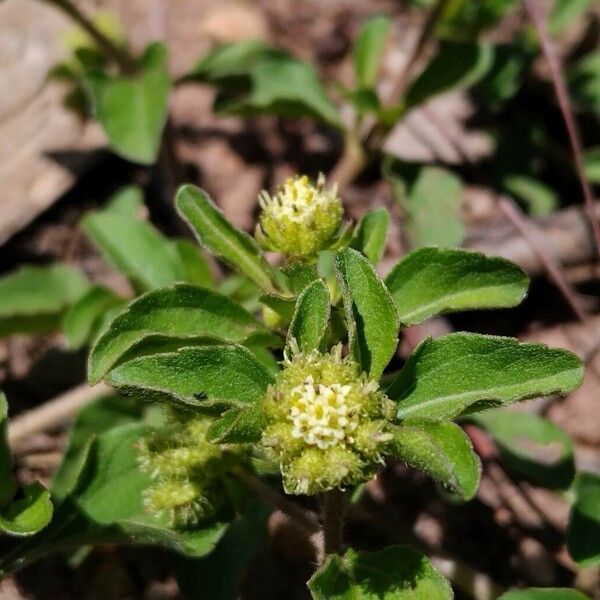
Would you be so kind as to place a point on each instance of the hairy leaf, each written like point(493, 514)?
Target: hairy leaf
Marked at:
point(368, 48)
point(583, 534)
point(394, 573)
point(544, 594)
point(442, 450)
point(34, 298)
point(531, 446)
point(196, 267)
point(465, 372)
point(209, 377)
point(178, 312)
point(431, 281)
point(370, 234)
point(370, 312)
point(311, 317)
point(133, 109)
point(237, 426)
point(220, 237)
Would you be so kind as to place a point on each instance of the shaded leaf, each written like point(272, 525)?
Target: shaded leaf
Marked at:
point(127, 201)
point(531, 446)
point(583, 534)
point(34, 299)
point(431, 281)
point(442, 450)
point(396, 572)
point(456, 65)
point(540, 199)
point(465, 372)
point(311, 317)
point(237, 426)
point(220, 237)
point(133, 110)
point(209, 377)
point(8, 487)
point(29, 514)
point(584, 82)
point(83, 319)
point(298, 275)
point(368, 48)
point(544, 594)
point(196, 267)
point(179, 312)
point(370, 234)
point(371, 316)
point(565, 12)
point(592, 164)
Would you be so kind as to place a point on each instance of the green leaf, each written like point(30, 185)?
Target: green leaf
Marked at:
point(431, 281)
point(283, 86)
point(431, 199)
point(370, 312)
point(531, 446)
point(456, 65)
point(298, 275)
point(584, 82)
point(465, 372)
point(209, 377)
point(8, 486)
point(540, 198)
point(197, 269)
point(370, 234)
point(565, 12)
point(127, 201)
point(394, 573)
point(544, 594)
point(465, 19)
point(135, 248)
point(106, 507)
point(219, 236)
point(583, 534)
point(217, 575)
point(94, 419)
point(237, 426)
point(442, 450)
point(179, 312)
point(133, 110)
point(28, 515)
point(33, 299)
point(311, 317)
point(82, 321)
point(591, 160)
point(368, 49)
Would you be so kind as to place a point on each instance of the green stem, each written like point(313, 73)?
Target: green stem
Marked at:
point(332, 520)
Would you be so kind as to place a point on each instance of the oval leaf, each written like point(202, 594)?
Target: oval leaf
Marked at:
point(531, 446)
point(431, 281)
point(368, 49)
point(448, 376)
point(210, 377)
point(583, 535)
point(370, 312)
point(182, 311)
point(237, 426)
point(370, 234)
point(29, 514)
point(133, 110)
point(311, 317)
point(219, 236)
point(395, 572)
point(443, 451)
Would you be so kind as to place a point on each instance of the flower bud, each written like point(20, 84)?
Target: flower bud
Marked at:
point(300, 219)
point(327, 423)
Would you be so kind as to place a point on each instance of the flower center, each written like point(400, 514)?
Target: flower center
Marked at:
point(320, 414)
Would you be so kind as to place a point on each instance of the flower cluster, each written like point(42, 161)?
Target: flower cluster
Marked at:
point(187, 471)
point(327, 423)
point(300, 219)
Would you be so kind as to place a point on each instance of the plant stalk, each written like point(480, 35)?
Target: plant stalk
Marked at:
point(332, 520)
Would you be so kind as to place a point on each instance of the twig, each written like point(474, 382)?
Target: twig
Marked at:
point(54, 412)
point(562, 95)
point(332, 520)
point(304, 517)
point(538, 245)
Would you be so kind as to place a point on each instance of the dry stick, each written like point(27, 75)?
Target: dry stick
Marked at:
point(529, 231)
point(54, 412)
point(562, 95)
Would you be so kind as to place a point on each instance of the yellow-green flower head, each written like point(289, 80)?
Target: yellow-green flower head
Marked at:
point(327, 423)
point(186, 470)
point(300, 219)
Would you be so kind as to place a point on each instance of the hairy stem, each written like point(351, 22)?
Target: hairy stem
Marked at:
point(332, 521)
